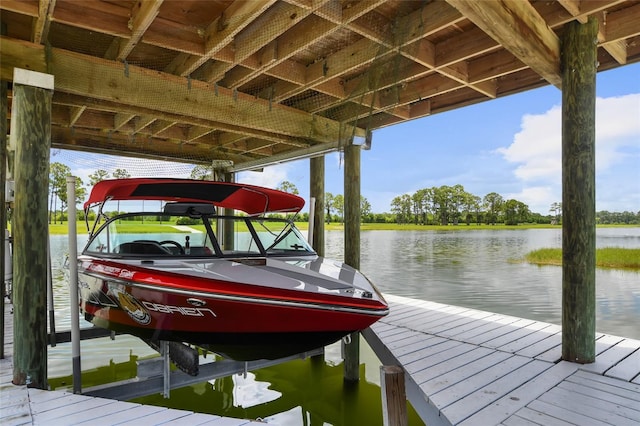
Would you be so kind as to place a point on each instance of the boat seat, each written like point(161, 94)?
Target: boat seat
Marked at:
point(142, 247)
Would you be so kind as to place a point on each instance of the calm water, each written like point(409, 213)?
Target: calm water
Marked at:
point(478, 269)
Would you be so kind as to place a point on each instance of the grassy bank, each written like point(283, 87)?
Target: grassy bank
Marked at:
point(608, 257)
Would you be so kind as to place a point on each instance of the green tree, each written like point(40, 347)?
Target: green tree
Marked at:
point(58, 173)
point(457, 202)
point(442, 199)
point(120, 174)
point(81, 192)
point(556, 209)
point(471, 203)
point(289, 187)
point(98, 176)
point(328, 204)
point(493, 205)
point(365, 209)
point(200, 172)
point(401, 207)
point(510, 209)
point(338, 206)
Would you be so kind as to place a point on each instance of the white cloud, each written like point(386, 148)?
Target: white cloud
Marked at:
point(537, 147)
point(270, 177)
point(538, 198)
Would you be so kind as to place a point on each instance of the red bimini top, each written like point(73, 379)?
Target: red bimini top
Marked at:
point(253, 200)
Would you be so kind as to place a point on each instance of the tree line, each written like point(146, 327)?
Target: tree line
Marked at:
point(446, 205)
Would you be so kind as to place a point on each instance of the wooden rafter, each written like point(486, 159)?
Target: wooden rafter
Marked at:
point(270, 80)
point(522, 31)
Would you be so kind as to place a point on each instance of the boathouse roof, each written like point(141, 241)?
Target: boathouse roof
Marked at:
point(245, 84)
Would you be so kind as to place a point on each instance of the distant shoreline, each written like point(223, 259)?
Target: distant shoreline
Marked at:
point(56, 229)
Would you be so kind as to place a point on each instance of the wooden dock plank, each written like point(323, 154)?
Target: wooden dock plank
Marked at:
point(451, 364)
point(476, 380)
point(505, 330)
point(532, 417)
point(610, 355)
point(424, 356)
point(627, 368)
point(455, 377)
point(592, 407)
point(480, 368)
point(75, 411)
point(550, 342)
point(566, 415)
point(487, 327)
point(544, 332)
point(442, 356)
point(131, 412)
point(603, 387)
point(488, 394)
point(471, 325)
point(520, 396)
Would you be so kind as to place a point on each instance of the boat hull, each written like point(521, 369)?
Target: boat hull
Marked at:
point(237, 320)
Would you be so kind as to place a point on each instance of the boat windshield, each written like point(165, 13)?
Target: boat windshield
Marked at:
point(196, 235)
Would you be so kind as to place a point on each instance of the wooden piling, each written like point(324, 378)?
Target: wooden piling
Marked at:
point(4, 107)
point(228, 228)
point(352, 246)
point(31, 132)
point(394, 396)
point(579, 63)
point(316, 190)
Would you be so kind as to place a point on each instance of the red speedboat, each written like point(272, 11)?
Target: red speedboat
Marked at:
point(246, 286)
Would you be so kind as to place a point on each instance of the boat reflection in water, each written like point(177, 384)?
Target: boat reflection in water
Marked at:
point(300, 392)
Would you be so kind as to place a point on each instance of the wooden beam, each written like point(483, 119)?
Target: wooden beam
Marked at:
point(264, 29)
point(75, 113)
point(106, 80)
point(220, 33)
point(142, 16)
point(124, 113)
point(522, 31)
point(42, 23)
point(142, 146)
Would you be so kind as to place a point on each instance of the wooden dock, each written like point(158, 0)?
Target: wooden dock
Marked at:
point(24, 406)
point(469, 367)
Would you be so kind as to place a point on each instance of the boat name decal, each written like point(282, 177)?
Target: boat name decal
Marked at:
point(184, 310)
point(111, 270)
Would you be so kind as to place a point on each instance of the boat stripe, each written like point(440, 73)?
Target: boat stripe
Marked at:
point(280, 302)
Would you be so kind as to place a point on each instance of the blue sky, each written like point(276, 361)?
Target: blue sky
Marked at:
point(509, 145)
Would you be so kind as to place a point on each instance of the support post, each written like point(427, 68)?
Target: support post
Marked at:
point(394, 396)
point(316, 190)
point(228, 231)
point(166, 369)
point(352, 246)
point(73, 285)
point(4, 108)
point(31, 131)
point(579, 62)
